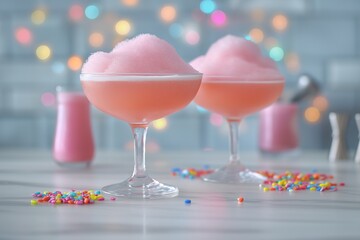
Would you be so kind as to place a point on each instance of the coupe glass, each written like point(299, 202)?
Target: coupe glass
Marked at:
point(139, 99)
point(234, 98)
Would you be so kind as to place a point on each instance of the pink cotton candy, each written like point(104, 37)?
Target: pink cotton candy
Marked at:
point(235, 56)
point(143, 54)
point(97, 63)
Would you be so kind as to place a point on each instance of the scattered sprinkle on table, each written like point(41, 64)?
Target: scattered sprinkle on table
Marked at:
point(191, 173)
point(187, 201)
point(73, 197)
point(240, 199)
point(297, 181)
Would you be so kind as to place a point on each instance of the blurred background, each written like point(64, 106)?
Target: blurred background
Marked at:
point(43, 44)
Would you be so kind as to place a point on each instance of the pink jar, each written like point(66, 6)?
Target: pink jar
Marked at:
point(278, 128)
point(73, 143)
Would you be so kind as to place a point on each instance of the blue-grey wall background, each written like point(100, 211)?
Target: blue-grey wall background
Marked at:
point(43, 43)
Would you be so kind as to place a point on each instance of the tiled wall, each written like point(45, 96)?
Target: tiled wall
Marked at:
point(323, 34)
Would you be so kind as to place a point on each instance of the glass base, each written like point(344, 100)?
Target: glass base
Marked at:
point(234, 173)
point(141, 188)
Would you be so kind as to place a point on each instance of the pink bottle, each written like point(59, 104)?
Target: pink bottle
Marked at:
point(278, 128)
point(73, 144)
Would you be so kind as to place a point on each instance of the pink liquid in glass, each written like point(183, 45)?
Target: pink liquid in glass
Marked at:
point(278, 128)
point(141, 101)
point(73, 136)
point(235, 99)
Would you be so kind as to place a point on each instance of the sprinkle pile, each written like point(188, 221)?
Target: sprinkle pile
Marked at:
point(72, 197)
point(191, 173)
point(296, 181)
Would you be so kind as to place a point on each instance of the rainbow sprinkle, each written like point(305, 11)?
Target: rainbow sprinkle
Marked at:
point(191, 173)
point(73, 197)
point(297, 181)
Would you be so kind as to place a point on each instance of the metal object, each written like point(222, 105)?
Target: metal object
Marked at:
point(307, 87)
point(357, 155)
point(338, 149)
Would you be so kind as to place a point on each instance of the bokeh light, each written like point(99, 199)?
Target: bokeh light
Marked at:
point(312, 114)
point(192, 37)
point(280, 22)
point(292, 62)
point(76, 12)
point(92, 12)
point(23, 35)
point(168, 13)
point(160, 124)
point(58, 67)
point(130, 3)
point(74, 62)
point(48, 99)
point(321, 103)
point(207, 6)
point(38, 16)
point(218, 18)
point(43, 52)
point(216, 119)
point(256, 35)
point(247, 37)
point(176, 30)
point(276, 53)
point(201, 109)
point(123, 27)
point(96, 39)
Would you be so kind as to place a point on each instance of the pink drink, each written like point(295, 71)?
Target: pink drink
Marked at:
point(73, 137)
point(278, 128)
point(141, 99)
point(235, 99)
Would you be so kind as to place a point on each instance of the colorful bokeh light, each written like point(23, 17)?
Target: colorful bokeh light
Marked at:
point(123, 27)
point(292, 62)
point(38, 16)
point(160, 124)
point(276, 53)
point(130, 3)
point(192, 37)
point(207, 6)
point(216, 119)
point(76, 12)
point(43, 52)
point(312, 114)
point(96, 39)
point(218, 18)
point(23, 35)
point(321, 103)
point(48, 99)
point(92, 12)
point(280, 22)
point(256, 35)
point(74, 63)
point(168, 13)
point(58, 67)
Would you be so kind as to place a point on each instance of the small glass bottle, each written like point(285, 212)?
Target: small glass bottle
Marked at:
point(73, 143)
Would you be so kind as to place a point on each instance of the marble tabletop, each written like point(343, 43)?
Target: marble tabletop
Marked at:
point(213, 214)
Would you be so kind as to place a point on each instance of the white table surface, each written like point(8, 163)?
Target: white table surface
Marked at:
point(213, 214)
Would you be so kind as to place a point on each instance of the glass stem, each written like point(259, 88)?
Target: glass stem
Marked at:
point(139, 132)
point(234, 137)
